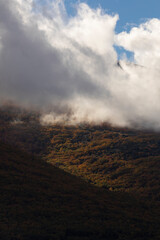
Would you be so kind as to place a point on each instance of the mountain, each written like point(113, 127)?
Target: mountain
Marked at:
point(118, 159)
point(39, 201)
point(114, 195)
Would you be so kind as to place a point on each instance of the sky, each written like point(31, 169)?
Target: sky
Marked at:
point(64, 62)
point(130, 12)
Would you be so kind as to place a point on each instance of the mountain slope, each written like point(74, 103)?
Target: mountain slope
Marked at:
point(114, 158)
point(39, 201)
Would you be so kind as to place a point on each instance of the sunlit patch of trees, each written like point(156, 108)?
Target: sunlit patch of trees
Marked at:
point(117, 159)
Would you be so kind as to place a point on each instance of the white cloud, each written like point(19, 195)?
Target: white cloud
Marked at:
point(144, 42)
point(69, 65)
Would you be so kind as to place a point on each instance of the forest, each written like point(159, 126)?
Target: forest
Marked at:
point(77, 181)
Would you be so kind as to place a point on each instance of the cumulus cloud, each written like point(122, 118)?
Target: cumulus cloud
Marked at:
point(144, 42)
point(68, 65)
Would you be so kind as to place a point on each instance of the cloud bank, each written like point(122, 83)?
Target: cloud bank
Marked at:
point(67, 66)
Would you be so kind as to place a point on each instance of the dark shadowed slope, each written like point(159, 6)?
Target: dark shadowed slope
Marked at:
point(39, 201)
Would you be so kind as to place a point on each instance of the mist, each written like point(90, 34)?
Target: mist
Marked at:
point(67, 66)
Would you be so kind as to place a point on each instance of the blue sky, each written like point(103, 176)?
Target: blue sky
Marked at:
point(130, 11)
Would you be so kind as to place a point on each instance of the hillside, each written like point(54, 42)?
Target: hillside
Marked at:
point(113, 158)
point(39, 201)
